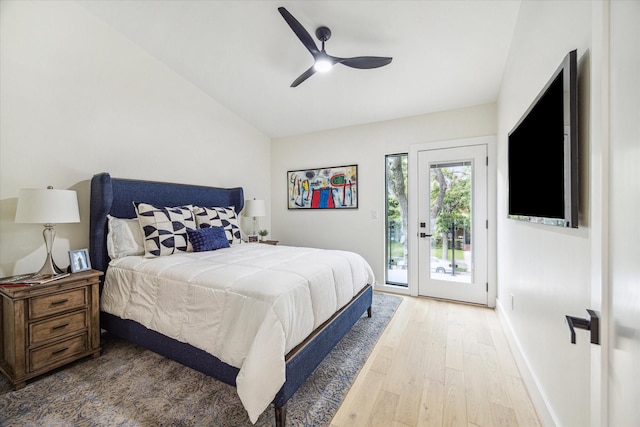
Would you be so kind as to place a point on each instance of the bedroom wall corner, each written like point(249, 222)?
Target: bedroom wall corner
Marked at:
point(360, 230)
point(77, 98)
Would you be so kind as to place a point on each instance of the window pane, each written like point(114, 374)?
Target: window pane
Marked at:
point(450, 207)
point(396, 219)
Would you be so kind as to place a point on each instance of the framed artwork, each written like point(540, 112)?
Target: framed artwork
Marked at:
point(79, 260)
point(323, 188)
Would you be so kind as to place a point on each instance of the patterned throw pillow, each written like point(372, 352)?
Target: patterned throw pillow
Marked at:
point(220, 217)
point(208, 239)
point(165, 228)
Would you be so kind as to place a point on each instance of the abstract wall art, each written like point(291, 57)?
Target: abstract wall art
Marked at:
point(323, 188)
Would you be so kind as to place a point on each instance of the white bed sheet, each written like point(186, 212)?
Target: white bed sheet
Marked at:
point(248, 305)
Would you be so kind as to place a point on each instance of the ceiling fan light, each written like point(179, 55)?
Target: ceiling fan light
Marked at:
point(322, 65)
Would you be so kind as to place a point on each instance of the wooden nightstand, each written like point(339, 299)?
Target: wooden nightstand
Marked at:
point(269, 242)
point(45, 326)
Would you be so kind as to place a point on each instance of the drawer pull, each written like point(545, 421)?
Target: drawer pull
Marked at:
point(64, 325)
point(62, 301)
point(62, 350)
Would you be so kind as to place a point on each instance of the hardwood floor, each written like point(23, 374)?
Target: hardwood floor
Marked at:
point(439, 364)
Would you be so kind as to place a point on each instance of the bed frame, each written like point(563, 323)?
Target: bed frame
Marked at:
point(113, 196)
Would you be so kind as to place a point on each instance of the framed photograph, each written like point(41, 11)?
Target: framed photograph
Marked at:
point(79, 260)
point(324, 188)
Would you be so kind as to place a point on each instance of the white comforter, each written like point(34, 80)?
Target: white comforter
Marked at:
point(248, 305)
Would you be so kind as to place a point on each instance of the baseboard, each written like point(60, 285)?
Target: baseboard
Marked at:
point(540, 402)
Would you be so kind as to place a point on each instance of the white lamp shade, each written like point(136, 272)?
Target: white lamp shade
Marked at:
point(254, 208)
point(47, 206)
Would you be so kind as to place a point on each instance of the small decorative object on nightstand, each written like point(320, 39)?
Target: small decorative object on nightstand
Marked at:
point(45, 326)
point(270, 242)
point(79, 260)
point(263, 234)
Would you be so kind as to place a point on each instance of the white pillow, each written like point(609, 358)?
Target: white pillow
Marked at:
point(124, 237)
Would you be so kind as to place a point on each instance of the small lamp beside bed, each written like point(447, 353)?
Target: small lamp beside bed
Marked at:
point(48, 207)
point(254, 208)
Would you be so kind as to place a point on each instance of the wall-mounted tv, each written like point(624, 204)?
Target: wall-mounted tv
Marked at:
point(543, 153)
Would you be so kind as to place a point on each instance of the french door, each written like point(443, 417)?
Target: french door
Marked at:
point(452, 216)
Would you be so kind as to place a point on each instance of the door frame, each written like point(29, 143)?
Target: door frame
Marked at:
point(413, 217)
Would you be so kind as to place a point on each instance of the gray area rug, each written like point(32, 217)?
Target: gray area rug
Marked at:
point(131, 386)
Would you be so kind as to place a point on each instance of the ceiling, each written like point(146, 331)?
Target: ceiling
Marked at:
point(446, 55)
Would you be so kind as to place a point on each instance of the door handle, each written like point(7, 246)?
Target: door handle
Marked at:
point(591, 324)
point(423, 234)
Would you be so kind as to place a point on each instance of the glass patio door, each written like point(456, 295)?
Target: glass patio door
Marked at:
point(452, 223)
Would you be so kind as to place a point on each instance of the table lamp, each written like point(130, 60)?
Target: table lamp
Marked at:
point(48, 207)
point(254, 208)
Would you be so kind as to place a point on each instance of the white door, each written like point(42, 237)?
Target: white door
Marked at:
point(623, 362)
point(452, 230)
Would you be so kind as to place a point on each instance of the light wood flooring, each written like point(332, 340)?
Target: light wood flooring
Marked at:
point(439, 364)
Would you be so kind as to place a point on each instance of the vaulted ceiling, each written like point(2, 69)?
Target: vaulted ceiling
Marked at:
point(446, 55)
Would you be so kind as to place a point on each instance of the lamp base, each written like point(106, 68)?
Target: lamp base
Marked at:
point(50, 267)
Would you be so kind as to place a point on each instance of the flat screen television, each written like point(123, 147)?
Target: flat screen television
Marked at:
point(543, 153)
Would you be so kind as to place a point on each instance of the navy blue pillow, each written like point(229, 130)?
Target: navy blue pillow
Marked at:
point(208, 239)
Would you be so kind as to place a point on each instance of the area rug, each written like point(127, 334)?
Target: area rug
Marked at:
point(130, 386)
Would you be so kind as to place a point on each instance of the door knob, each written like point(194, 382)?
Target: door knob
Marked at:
point(591, 324)
point(423, 235)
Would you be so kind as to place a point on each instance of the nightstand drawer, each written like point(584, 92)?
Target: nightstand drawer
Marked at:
point(57, 303)
point(51, 354)
point(52, 328)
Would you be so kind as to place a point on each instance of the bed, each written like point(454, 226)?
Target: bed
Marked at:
point(113, 197)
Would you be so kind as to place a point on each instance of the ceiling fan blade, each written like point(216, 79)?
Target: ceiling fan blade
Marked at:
point(304, 76)
point(365, 62)
point(299, 31)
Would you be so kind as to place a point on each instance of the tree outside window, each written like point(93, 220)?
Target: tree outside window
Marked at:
point(397, 219)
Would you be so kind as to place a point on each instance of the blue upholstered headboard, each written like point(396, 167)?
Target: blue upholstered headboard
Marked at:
point(115, 197)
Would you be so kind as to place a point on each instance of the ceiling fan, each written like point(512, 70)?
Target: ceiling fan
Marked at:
point(322, 61)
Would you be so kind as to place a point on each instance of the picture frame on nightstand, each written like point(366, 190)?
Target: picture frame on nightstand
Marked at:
point(79, 260)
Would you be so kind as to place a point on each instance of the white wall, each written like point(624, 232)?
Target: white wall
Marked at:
point(76, 98)
point(546, 270)
point(357, 230)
